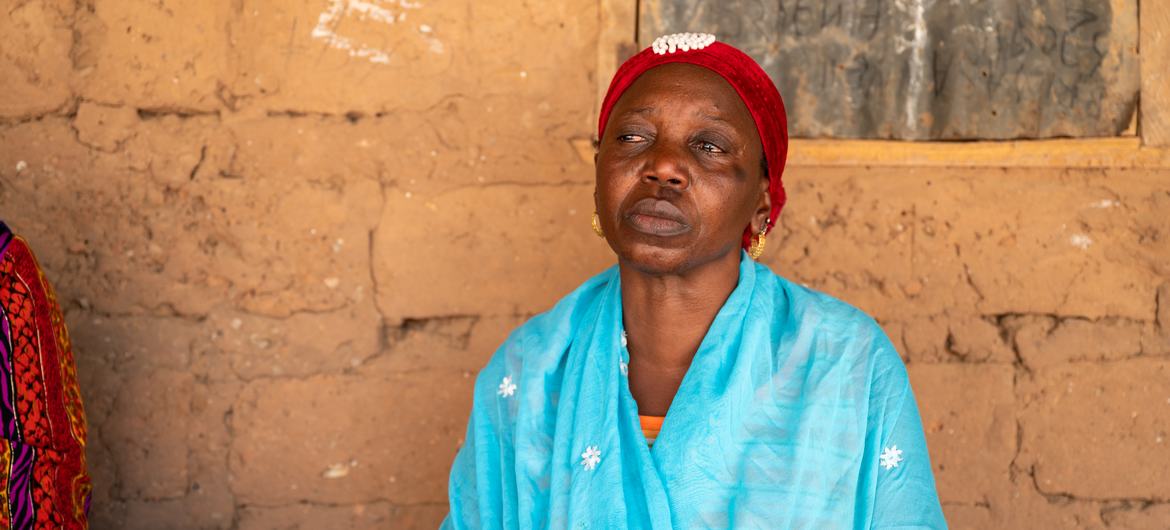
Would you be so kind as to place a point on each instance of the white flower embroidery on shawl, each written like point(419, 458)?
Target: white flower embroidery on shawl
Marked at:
point(507, 387)
point(591, 457)
point(891, 457)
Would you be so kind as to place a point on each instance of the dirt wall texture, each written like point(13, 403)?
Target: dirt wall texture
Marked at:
point(288, 233)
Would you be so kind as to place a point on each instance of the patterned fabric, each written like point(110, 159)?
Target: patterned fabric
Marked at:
point(796, 412)
point(44, 483)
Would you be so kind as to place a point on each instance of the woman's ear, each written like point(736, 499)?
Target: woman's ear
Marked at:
point(763, 206)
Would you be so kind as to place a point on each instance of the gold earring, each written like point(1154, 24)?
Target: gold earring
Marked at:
point(597, 226)
point(757, 248)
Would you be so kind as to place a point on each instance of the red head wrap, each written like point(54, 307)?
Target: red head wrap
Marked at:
point(754, 86)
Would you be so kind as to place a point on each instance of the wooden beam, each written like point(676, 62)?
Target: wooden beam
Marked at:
point(1154, 42)
point(1087, 153)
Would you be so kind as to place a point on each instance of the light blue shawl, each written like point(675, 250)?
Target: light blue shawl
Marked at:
point(796, 412)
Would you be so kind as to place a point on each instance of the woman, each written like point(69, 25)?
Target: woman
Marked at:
point(44, 482)
point(690, 387)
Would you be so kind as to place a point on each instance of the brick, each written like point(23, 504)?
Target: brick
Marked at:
point(1138, 516)
point(299, 345)
point(1069, 255)
point(104, 128)
point(425, 51)
point(455, 144)
point(355, 517)
point(965, 406)
point(462, 252)
point(1031, 509)
point(42, 149)
point(208, 502)
point(438, 128)
point(354, 438)
point(967, 516)
point(165, 55)
point(103, 473)
point(472, 150)
point(147, 434)
point(125, 264)
point(232, 240)
point(458, 343)
point(100, 385)
point(152, 515)
point(945, 338)
point(95, 373)
point(140, 344)
point(169, 149)
point(1021, 507)
point(910, 242)
point(1045, 340)
point(314, 234)
point(1080, 421)
point(35, 58)
point(402, 148)
point(926, 338)
point(979, 340)
point(1155, 343)
point(875, 217)
point(107, 513)
point(359, 60)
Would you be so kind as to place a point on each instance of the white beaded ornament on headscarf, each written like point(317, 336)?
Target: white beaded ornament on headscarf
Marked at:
point(681, 41)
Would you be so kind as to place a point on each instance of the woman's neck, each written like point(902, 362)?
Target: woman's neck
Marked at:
point(666, 318)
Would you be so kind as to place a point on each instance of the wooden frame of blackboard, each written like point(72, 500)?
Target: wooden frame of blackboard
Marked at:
point(1150, 148)
point(1154, 42)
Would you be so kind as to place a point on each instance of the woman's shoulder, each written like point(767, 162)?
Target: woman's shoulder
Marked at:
point(558, 320)
point(811, 307)
point(539, 342)
point(842, 332)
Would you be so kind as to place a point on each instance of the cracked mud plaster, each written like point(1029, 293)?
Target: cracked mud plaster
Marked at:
point(282, 267)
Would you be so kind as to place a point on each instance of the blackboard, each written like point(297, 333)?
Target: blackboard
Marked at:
point(931, 69)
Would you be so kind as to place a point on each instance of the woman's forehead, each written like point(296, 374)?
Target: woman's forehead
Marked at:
point(687, 83)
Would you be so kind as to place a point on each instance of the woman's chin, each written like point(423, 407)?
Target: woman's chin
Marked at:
point(653, 260)
point(658, 260)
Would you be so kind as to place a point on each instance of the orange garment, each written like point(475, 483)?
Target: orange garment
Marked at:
point(650, 427)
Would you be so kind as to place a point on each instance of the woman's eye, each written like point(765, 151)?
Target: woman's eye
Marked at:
point(629, 138)
point(709, 147)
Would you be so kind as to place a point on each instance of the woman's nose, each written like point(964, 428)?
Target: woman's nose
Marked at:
point(667, 167)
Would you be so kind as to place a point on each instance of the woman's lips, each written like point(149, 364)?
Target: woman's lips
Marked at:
point(657, 217)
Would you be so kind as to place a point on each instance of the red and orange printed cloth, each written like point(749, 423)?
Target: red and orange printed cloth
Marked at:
point(44, 483)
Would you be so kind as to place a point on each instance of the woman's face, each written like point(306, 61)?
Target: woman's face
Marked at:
point(679, 172)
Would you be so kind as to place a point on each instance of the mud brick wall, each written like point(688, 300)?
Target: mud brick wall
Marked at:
point(288, 233)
